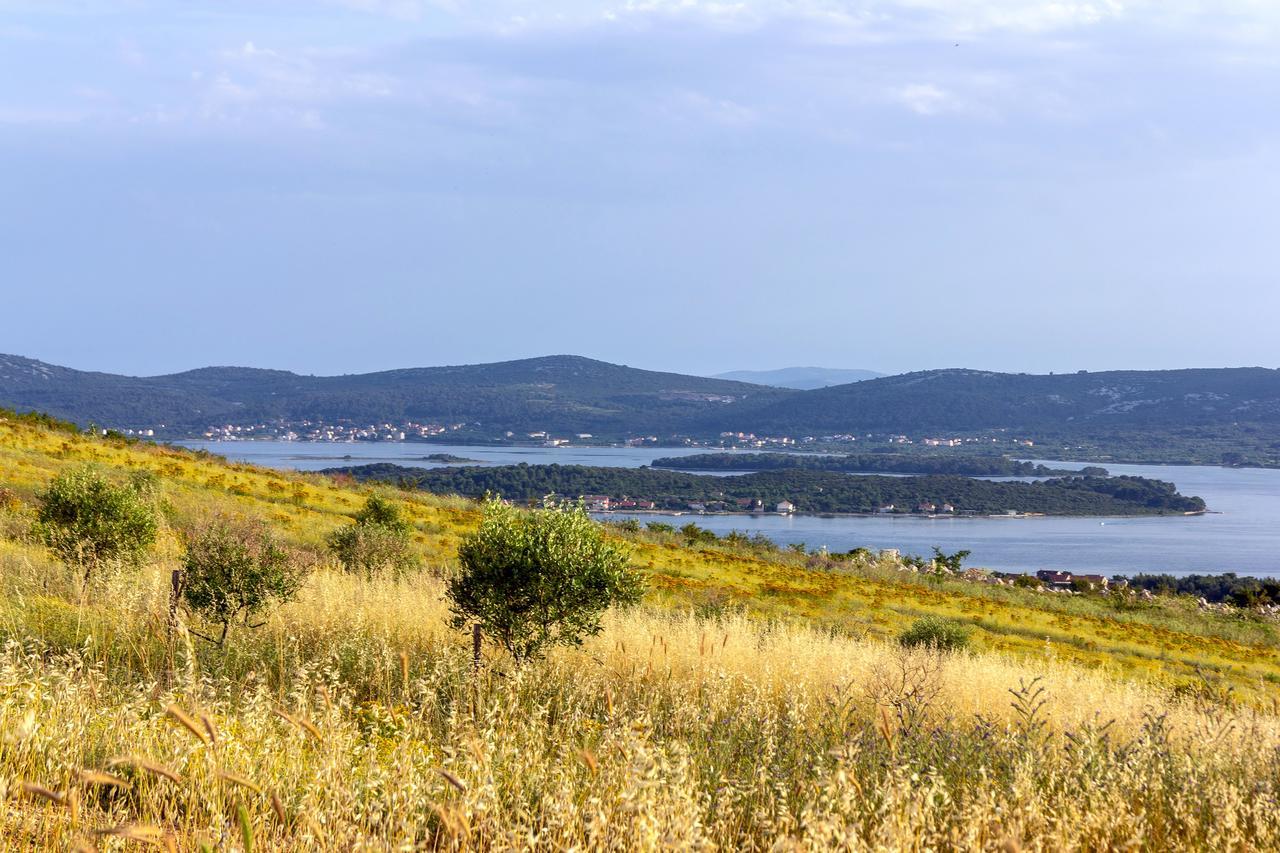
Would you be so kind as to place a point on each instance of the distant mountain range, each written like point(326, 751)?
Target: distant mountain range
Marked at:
point(561, 393)
point(568, 394)
point(800, 378)
point(966, 400)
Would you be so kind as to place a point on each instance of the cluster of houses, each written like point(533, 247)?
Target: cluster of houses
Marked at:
point(750, 439)
point(605, 503)
point(1050, 579)
point(320, 431)
point(926, 507)
point(1066, 580)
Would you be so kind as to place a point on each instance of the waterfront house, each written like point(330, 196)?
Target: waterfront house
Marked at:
point(785, 507)
point(1054, 578)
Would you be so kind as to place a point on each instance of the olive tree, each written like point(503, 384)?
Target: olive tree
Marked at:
point(532, 579)
point(88, 521)
point(235, 570)
point(377, 542)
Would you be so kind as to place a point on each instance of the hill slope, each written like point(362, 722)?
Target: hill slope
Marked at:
point(976, 400)
point(562, 393)
point(353, 717)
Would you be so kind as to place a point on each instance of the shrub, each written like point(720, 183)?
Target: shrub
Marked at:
point(234, 571)
point(377, 542)
point(694, 535)
point(1027, 582)
point(539, 578)
point(87, 520)
point(936, 632)
point(628, 525)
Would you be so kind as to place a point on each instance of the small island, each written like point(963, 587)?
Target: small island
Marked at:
point(449, 459)
point(871, 463)
point(809, 492)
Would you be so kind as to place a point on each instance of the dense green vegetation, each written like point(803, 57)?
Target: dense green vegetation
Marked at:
point(1227, 588)
point(810, 491)
point(1255, 445)
point(532, 580)
point(1075, 403)
point(870, 463)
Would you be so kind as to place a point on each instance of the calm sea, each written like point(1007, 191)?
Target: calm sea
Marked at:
point(1241, 535)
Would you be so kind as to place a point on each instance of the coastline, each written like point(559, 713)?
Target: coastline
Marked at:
point(680, 513)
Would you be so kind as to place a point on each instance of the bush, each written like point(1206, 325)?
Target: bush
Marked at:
point(539, 578)
point(1027, 582)
point(88, 521)
point(234, 571)
point(377, 542)
point(936, 632)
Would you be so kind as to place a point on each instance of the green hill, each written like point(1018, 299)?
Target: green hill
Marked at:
point(559, 393)
point(978, 400)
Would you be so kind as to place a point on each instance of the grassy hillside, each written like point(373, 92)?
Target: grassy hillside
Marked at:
point(755, 698)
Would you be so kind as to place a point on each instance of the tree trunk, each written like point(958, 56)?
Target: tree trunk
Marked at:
point(475, 647)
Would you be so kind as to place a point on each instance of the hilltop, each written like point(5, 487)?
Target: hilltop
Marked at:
point(969, 400)
point(800, 378)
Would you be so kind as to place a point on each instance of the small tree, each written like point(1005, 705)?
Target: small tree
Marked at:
point(88, 521)
point(377, 542)
point(952, 562)
point(937, 633)
point(539, 578)
point(234, 571)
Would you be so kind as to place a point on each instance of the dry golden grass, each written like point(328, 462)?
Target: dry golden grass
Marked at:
point(352, 719)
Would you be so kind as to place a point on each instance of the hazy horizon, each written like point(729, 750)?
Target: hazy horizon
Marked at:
point(639, 366)
point(343, 186)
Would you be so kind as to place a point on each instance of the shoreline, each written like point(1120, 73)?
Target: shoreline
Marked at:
point(680, 513)
point(699, 448)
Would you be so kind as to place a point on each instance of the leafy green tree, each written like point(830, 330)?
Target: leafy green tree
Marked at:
point(378, 541)
point(88, 521)
point(532, 579)
point(952, 562)
point(235, 570)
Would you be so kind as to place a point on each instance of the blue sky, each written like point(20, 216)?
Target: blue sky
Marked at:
point(697, 186)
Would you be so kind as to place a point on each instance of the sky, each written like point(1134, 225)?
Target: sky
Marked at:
point(340, 186)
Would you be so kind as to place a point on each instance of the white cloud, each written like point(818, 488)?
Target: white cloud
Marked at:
point(924, 99)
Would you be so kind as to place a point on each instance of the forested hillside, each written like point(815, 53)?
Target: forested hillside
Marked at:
point(565, 393)
point(979, 400)
point(809, 491)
